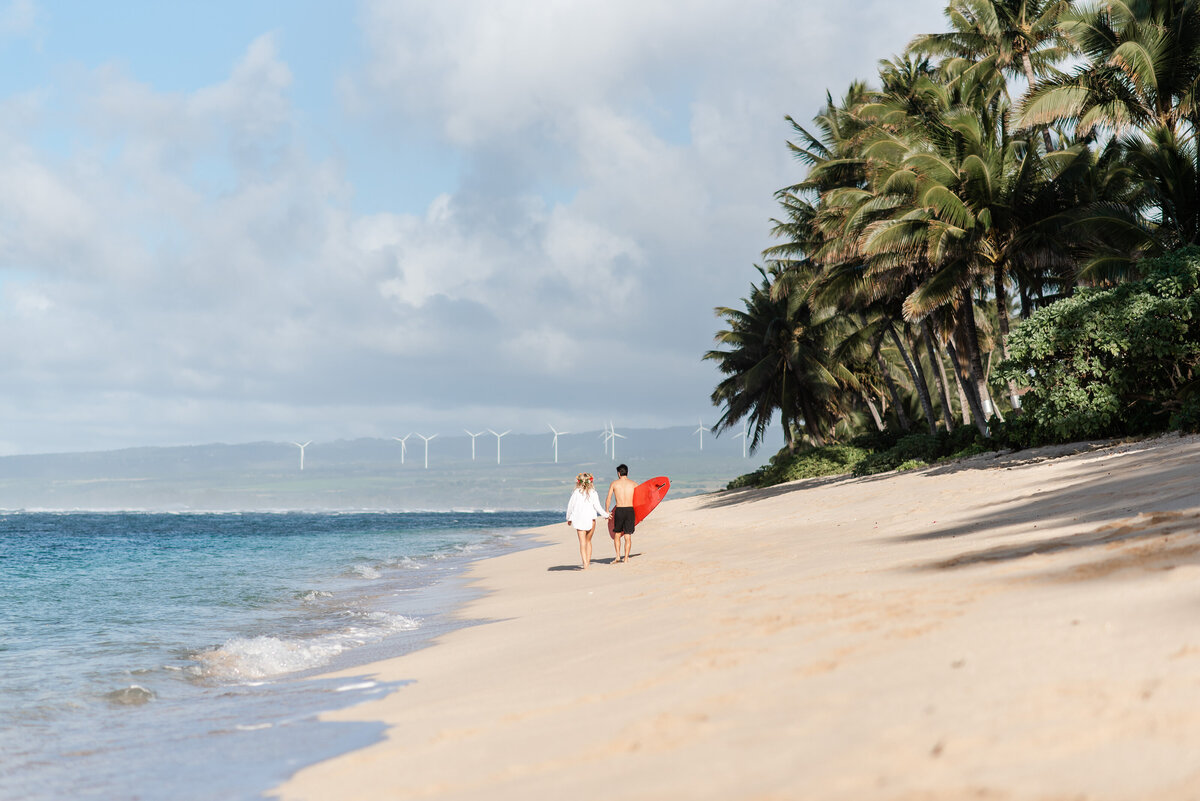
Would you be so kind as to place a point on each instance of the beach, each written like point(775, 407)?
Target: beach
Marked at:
point(1014, 626)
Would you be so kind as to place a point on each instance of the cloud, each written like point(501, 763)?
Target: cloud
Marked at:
point(18, 19)
point(189, 271)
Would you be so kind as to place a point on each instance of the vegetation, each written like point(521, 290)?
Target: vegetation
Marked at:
point(1111, 362)
point(866, 455)
point(809, 462)
point(981, 239)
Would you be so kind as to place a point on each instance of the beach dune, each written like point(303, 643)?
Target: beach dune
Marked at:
point(1024, 626)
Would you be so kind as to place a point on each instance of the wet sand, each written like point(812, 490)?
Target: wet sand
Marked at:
point(1016, 627)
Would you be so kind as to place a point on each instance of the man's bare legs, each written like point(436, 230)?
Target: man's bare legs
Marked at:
point(617, 547)
point(628, 542)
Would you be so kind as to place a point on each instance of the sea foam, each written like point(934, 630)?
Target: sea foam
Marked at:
point(246, 658)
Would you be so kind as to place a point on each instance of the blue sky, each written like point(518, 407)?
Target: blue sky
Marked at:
point(227, 222)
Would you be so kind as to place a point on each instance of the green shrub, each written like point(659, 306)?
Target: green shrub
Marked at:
point(974, 449)
point(924, 448)
point(877, 440)
point(748, 480)
point(1110, 362)
point(830, 460)
point(964, 437)
point(898, 451)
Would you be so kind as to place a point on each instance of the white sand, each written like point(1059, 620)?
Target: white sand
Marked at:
point(1004, 628)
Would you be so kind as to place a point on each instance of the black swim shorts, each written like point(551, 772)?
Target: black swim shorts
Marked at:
point(623, 520)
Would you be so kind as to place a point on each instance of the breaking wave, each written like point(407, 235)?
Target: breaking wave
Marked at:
point(246, 658)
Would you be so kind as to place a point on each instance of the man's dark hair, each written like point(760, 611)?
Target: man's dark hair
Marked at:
point(622, 470)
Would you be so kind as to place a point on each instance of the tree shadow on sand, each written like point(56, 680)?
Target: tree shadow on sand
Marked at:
point(1155, 518)
point(1154, 526)
point(737, 497)
point(984, 461)
point(1161, 522)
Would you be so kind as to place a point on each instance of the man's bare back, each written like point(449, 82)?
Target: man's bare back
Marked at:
point(622, 489)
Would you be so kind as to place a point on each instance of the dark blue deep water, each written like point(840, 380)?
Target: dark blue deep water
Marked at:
point(172, 656)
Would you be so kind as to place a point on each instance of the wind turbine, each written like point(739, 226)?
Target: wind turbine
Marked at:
point(302, 447)
point(700, 431)
point(614, 436)
point(473, 436)
point(422, 436)
point(403, 445)
point(557, 434)
point(607, 438)
point(498, 436)
point(742, 434)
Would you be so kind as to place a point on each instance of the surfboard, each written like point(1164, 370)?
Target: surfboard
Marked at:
point(646, 496)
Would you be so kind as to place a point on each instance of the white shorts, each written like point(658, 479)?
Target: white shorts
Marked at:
point(583, 522)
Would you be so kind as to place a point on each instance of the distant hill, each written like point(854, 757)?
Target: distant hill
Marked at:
point(366, 473)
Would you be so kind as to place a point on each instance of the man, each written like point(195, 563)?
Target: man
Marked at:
point(622, 513)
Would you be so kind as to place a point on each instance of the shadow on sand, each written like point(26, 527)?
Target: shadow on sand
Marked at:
point(983, 461)
point(610, 560)
point(1142, 494)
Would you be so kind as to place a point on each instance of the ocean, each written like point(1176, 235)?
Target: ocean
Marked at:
point(176, 656)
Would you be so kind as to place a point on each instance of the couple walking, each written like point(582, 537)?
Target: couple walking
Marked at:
point(584, 507)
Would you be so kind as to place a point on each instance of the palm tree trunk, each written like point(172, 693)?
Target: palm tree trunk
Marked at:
point(966, 401)
point(891, 385)
point(784, 406)
point(970, 343)
point(918, 378)
point(939, 373)
point(998, 284)
point(811, 425)
point(874, 412)
point(987, 376)
point(1002, 316)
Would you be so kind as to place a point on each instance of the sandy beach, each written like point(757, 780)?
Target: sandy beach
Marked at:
point(1024, 626)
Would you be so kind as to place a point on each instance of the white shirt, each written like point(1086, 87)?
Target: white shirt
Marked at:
point(584, 508)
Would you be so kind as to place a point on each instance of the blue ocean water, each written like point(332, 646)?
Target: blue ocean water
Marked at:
point(172, 656)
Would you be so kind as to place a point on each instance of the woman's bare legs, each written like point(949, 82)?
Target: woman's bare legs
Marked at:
point(589, 543)
point(585, 547)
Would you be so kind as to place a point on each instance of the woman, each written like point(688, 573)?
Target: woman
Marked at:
point(582, 511)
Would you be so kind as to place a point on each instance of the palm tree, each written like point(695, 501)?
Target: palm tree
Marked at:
point(980, 208)
point(1017, 37)
point(825, 234)
point(1141, 70)
point(776, 360)
point(1140, 80)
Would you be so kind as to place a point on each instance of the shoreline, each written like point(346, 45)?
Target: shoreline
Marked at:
point(217, 630)
point(1014, 626)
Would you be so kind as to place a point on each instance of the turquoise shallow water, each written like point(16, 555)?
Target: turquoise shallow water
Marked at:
point(170, 656)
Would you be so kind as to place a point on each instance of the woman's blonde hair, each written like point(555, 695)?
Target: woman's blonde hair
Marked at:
point(585, 481)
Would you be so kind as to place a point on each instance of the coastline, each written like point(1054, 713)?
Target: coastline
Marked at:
point(216, 629)
point(1015, 626)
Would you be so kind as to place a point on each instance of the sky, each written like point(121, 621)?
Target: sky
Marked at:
point(301, 220)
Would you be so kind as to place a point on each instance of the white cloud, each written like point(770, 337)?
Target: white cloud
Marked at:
point(191, 270)
point(18, 19)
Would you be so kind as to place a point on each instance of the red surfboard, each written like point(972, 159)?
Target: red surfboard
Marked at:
point(645, 497)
